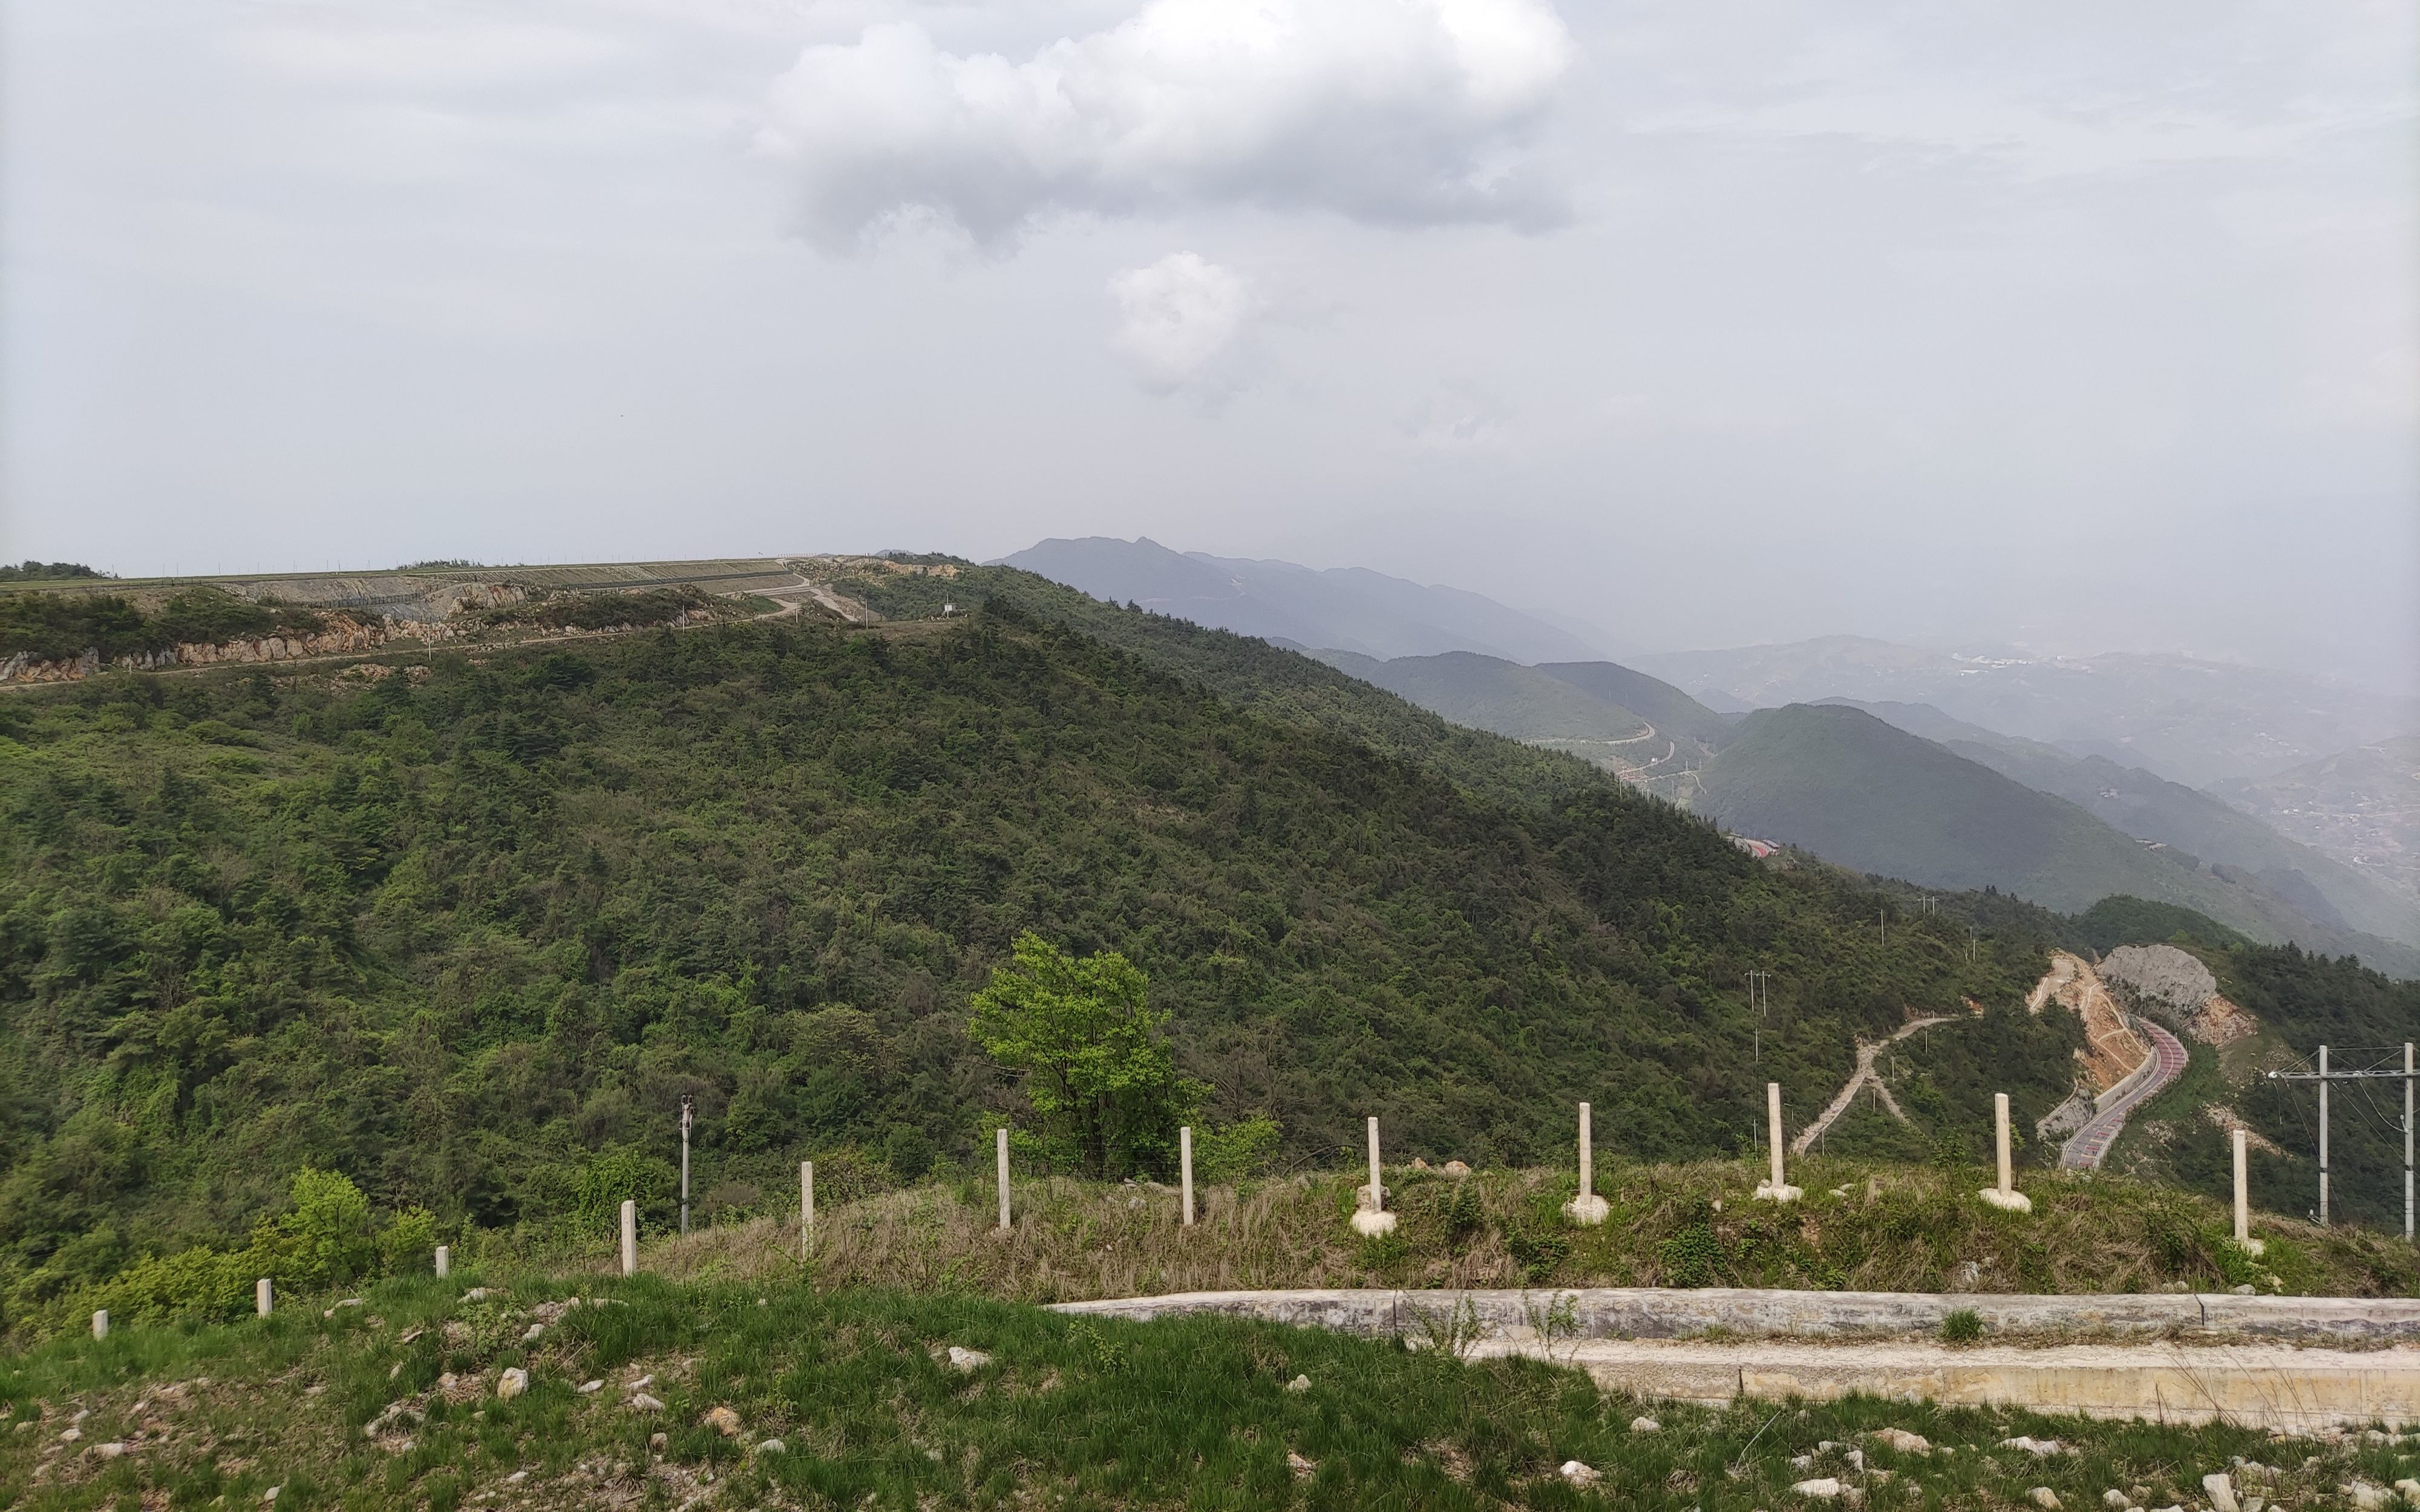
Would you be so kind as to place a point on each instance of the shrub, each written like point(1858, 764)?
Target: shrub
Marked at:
point(1235, 1151)
point(616, 1177)
point(1098, 1069)
point(1691, 1257)
point(1963, 1326)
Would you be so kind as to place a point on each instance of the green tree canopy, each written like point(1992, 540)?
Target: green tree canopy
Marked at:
point(1096, 1069)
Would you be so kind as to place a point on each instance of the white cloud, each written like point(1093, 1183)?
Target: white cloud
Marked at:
point(1387, 110)
point(1181, 322)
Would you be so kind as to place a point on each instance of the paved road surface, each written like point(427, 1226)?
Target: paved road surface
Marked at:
point(2084, 1151)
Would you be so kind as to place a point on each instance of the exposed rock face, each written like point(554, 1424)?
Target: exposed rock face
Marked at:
point(2161, 975)
point(344, 633)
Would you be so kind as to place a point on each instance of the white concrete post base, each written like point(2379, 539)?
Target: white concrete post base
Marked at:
point(2006, 1201)
point(1767, 1192)
point(2249, 1246)
point(1369, 1224)
point(1586, 1212)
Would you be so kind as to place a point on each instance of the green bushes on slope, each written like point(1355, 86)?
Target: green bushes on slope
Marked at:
point(61, 626)
point(469, 940)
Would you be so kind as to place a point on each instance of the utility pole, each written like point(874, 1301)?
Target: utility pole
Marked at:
point(2323, 1076)
point(685, 1115)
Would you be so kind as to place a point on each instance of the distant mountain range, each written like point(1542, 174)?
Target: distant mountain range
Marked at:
point(2196, 722)
point(1904, 791)
point(1867, 795)
point(1896, 760)
point(1349, 608)
point(2150, 807)
point(1649, 732)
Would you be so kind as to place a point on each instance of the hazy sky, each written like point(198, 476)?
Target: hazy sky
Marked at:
point(2079, 325)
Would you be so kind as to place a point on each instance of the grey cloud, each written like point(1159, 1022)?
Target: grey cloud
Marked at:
point(1394, 112)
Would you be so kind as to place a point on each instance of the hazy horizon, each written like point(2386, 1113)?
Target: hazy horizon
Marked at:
point(2042, 327)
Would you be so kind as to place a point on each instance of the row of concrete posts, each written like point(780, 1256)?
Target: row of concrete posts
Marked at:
point(1370, 1217)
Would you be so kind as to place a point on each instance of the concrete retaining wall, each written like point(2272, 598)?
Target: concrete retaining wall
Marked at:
point(1650, 1313)
point(2270, 1386)
point(2262, 1360)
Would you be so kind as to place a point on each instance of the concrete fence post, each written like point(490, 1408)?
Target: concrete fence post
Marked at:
point(1003, 1178)
point(1372, 1219)
point(262, 1297)
point(1184, 1169)
point(100, 1324)
point(630, 1237)
point(806, 1207)
point(444, 1261)
point(1586, 1208)
point(1776, 1190)
point(2005, 1194)
point(2243, 1240)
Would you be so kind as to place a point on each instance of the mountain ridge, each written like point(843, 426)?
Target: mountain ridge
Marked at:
point(2190, 720)
point(1350, 609)
point(2147, 805)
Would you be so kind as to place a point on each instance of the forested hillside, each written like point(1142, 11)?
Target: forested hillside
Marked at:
point(1865, 793)
point(1487, 693)
point(469, 929)
point(2150, 807)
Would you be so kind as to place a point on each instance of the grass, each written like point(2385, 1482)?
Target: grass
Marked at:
point(855, 1386)
point(1863, 1227)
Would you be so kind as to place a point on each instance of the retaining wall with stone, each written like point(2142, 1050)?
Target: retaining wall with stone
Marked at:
point(1655, 1312)
point(2269, 1362)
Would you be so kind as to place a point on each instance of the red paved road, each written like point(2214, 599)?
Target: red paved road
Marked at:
point(2084, 1151)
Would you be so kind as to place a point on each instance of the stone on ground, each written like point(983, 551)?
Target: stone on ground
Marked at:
point(2037, 1447)
point(1645, 1425)
point(724, 1420)
point(1580, 1475)
point(1823, 1489)
point(1904, 1441)
point(2042, 1496)
point(963, 1359)
point(2221, 1491)
point(512, 1383)
point(1298, 1384)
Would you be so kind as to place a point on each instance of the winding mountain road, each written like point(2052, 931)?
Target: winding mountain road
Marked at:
point(2086, 1148)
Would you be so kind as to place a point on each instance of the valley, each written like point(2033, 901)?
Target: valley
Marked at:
point(2360, 807)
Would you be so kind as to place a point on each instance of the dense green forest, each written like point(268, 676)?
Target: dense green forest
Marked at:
point(2310, 1000)
point(60, 626)
point(468, 937)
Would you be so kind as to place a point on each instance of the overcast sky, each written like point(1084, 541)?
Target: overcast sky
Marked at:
point(2073, 325)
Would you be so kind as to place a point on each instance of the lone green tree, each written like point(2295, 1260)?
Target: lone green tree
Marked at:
point(1099, 1074)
